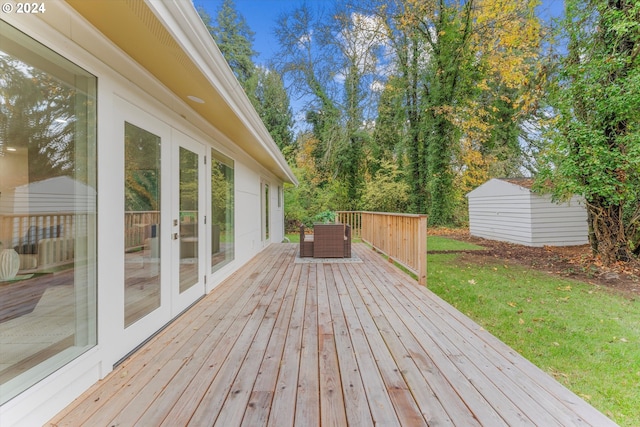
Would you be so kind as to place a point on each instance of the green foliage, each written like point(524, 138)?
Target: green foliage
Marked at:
point(264, 87)
point(304, 202)
point(233, 37)
point(325, 217)
point(390, 133)
point(331, 60)
point(464, 80)
point(596, 132)
point(33, 105)
point(268, 95)
point(387, 191)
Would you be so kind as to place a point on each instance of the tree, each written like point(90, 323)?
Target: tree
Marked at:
point(390, 130)
point(269, 97)
point(263, 86)
point(466, 68)
point(40, 114)
point(595, 149)
point(333, 63)
point(387, 191)
point(233, 37)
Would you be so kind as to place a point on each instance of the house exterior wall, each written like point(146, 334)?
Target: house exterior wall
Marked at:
point(166, 115)
point(500, 210)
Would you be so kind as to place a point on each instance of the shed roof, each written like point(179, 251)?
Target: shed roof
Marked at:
point(522, 182)
point(502, 184)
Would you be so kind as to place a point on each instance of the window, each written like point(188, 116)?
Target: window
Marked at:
point(141, 222)
point(47, 211)
point(279, 196)
point(222, 210)
point(265, 207)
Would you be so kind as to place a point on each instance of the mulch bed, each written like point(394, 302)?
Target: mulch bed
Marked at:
point(576, 262)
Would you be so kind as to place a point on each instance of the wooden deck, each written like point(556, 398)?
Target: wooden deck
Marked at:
point(285, 343)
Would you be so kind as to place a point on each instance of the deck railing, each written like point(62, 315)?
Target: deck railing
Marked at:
point(402, 237)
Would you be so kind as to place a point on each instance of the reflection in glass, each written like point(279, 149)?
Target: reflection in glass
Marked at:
point(265, 202)
point(222, 210)
point(47, 212)
point(142, 223)
point(188, 219)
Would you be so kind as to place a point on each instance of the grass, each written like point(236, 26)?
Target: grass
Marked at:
point(437, 243)
point(586, 337)
point(293, 237)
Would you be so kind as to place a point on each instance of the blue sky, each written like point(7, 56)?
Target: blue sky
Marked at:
point(261, 15)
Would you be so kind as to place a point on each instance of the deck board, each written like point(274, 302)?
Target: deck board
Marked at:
point(282, 343)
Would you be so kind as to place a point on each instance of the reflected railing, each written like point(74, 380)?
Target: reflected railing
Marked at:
point(43, 240)
point(46, 240)
point(138, 227)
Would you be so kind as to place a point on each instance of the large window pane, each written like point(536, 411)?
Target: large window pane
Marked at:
point(47, 211)
point(142, 223)
point(222, 210)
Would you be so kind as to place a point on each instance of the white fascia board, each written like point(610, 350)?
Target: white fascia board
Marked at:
point(182, 20)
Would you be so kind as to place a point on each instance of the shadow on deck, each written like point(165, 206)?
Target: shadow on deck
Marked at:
point(358, 343)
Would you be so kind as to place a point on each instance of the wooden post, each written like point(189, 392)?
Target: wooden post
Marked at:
point(422, 251)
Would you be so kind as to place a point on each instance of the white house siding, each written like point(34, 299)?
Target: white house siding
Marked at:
point(125, 89)
point(501, 210)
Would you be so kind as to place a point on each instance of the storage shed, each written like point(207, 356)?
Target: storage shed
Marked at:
point(508, 210)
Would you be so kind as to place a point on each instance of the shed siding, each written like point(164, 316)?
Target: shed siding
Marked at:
point(501, 210)
point(558, 224)
point(501, 217)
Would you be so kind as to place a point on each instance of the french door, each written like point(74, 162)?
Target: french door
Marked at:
point(188, 222)
point(164, 227)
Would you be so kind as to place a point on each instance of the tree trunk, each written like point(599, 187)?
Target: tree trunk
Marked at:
point(609, 230)
point(593, 240)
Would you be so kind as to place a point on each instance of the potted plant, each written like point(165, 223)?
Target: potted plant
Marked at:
point(325, 217)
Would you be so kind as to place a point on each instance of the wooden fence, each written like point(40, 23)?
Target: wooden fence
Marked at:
point(402, 237)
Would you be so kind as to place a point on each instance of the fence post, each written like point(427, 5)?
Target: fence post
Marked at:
point(422, 251)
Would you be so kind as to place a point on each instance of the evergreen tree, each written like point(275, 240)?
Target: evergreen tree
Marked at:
point(271, 100)
point(264, 88)
point(234, 39)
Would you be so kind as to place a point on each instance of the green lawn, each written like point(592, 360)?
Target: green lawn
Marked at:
point(438, 243)
point(293, 237)
point(586, 337)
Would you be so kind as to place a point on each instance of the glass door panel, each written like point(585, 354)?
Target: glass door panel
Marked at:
point(189, 217)
point(222, 210)
point(188, 234)
point(141, 223)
